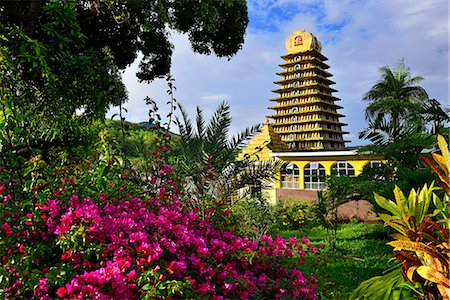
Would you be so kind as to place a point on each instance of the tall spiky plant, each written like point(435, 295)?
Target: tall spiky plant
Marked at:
point(207, 160)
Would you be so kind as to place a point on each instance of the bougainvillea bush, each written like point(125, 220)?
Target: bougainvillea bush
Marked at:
point(63, 240)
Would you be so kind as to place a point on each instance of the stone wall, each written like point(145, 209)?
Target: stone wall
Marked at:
point(361, 209)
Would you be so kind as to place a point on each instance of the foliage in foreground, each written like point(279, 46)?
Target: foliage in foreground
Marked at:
point(421, 239)
point(360, 253)
point(78, 235)
point(69, 52)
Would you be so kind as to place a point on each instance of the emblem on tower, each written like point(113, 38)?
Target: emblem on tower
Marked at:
point(301, 41)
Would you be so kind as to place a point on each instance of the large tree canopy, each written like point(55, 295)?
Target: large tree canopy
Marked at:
point(70, 52)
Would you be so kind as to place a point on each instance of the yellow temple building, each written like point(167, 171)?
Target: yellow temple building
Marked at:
point(305, 131)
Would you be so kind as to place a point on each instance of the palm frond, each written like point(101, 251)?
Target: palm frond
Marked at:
point(200, 123)
point(218, 128)
point(185, 127)
point(238, 141)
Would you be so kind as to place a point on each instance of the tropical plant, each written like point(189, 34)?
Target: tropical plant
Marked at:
point(421, 241)
point(391, 285)
point(422, 233)
point(73, 236)
point(436, 116)
point(208, 163)
point(443, 162)
point(398, 114)
point(339, 190)
point(395, 100)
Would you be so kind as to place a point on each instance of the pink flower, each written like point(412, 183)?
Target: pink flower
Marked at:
point(54, 207)
point(41, 289)
point(7, 198)
point(61, 292)
point(7, 228)
point(132, 276)
point(205, 288)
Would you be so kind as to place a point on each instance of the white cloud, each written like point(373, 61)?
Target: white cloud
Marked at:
point(358, 38)
point(215, 98)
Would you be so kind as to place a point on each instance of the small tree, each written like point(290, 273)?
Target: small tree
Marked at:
point(207, 161)
point(339, 189)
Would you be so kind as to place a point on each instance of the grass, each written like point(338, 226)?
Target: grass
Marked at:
point(361, 252)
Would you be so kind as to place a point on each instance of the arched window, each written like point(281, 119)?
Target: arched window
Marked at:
point(376, 169)
point(296, 67)
point(343, 168)
point(290, 174)
point(314, 176)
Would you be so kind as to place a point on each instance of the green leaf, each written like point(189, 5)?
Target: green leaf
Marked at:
point(401, 202)
point(388, 205)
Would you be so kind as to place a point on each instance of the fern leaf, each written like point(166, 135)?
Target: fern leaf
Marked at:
point(200, 123)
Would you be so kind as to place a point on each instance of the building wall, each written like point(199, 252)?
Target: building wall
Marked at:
point(328, 163)
point(307, 195)
point(360, 210)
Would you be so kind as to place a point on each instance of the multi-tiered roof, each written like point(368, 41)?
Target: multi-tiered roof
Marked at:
point(306, 116)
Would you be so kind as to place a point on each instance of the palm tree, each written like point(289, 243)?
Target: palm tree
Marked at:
point(395, 103)
point(398, 114)
point(437, 116)
point(207, 159)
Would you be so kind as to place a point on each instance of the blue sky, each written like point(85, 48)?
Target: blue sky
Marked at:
point(358, 37)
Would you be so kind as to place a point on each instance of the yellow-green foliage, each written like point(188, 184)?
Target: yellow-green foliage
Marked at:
point(421, 240)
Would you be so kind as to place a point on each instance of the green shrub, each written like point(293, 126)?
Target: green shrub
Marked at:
point(250, 217)
point(291, 214)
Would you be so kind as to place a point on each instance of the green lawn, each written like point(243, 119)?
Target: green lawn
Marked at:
point(361, 252)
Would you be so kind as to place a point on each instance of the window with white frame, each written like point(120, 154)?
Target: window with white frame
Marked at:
point(343, 168)
point(314, 176)
point(376, 164)
point(290, 174)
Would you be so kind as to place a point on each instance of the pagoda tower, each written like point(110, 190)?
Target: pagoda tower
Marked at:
point(306, 116)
